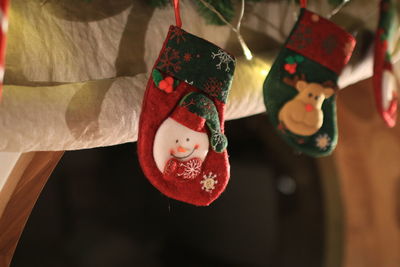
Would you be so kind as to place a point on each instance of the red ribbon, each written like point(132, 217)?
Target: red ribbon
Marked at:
point(177, 14)
point(303, 3)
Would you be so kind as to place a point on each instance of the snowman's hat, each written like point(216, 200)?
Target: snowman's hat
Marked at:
point(195, 111)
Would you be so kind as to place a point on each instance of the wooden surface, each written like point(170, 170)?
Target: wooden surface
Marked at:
point(19, 195)
point(368, 162)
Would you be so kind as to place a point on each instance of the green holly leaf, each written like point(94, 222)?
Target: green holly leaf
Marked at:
point(299, 58)
point(290, 60)
point(176, 83)
point(157, 77)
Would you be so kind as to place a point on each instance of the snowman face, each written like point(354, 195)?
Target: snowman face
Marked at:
point(173, 140)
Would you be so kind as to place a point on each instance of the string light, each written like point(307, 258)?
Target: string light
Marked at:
point(338, 8)
point(246, 51)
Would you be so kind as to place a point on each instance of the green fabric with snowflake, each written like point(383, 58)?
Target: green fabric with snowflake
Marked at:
point(204, 107)
point(186, 55)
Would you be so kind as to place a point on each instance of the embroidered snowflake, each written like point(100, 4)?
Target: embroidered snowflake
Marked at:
point(170, 61)
point(178, 34)
point(224, 58)
point(207, 105)
point(322, 141)
point(329, 44)
point(191, 169)
point(209, 181)
point(302, 37)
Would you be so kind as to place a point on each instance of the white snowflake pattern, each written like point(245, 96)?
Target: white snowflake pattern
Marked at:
point(322, 141)
point(191, 169)
point(209, 181)
point(224, 58)
point(218, 138)
point(224, 94)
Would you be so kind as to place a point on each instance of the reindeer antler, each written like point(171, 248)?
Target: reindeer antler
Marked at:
point(293, 81)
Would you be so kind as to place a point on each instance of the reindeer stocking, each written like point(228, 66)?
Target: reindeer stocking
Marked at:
point(299, 91)
point(181, 145)
point(384, 80)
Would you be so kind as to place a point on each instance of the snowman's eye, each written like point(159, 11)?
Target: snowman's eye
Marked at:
point(187, 139)
point(176, 141)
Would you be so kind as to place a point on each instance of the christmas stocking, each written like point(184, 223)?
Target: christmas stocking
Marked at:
point(181, 144)
point(384, 80)
point(299, 91)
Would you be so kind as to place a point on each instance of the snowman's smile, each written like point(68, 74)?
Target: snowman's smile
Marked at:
point(184, 157)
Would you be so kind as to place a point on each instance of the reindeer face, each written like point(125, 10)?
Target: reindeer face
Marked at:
point(302, 115)
point(312, 94)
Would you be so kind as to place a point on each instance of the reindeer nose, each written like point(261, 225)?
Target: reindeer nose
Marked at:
point(181, 149)
point(309, 107)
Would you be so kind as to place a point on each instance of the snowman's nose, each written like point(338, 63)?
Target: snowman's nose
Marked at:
point(181, 149)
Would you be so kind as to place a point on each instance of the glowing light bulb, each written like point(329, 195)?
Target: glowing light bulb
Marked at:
point(247, 53)
point(246, 50)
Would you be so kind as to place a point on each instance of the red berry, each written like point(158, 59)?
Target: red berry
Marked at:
point(169, 80)
point(163, 85)
point(291, 68)
point(167, 85)
point(169, 89)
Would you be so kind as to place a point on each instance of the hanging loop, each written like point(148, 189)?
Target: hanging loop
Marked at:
point(303, 3)
point(177, 14)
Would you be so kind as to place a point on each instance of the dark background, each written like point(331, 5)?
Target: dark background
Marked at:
point(99, 210)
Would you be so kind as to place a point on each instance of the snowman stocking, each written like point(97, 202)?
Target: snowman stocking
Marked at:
point(181, 145)
point(384, 80)
point(299, 91)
